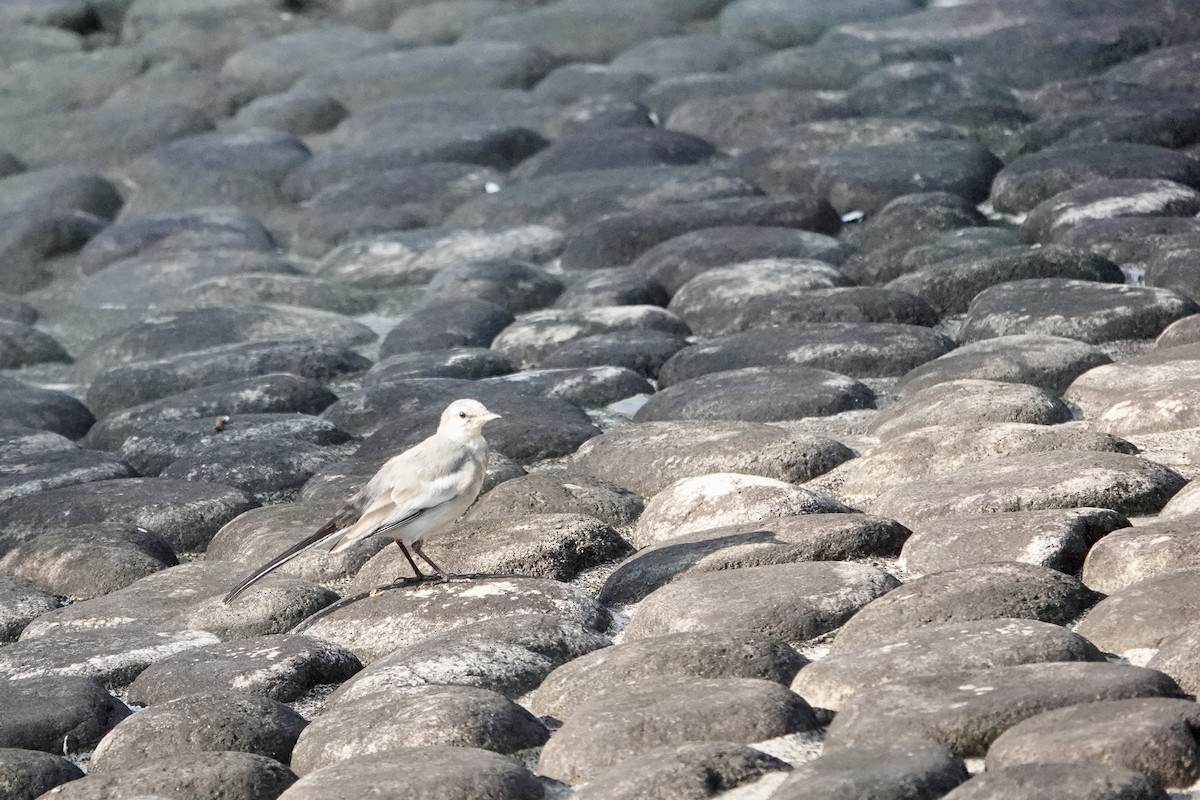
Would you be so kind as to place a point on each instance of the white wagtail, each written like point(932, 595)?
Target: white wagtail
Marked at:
point(421, 491)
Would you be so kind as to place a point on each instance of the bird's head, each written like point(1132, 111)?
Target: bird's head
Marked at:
point(464, 419)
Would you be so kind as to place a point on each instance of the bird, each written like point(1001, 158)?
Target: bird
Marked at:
point(418, 492)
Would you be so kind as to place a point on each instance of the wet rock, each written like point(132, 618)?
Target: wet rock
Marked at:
point(559, 492)
point(649, 456)
point(1048, 362)
point(622, 722)
point(89, 560)
point(967, 711)
point(679, 259)
point(1152, 736)
point(806, 537)
point(620, 238)
point(508, 654)
point(985, 591)
point(454, 323)
point(1124, 483)
point(220, 721)
point(237, 776)
point(421, 773)
point(950, 286)
point(280, 667)
point(758, 394)
point(53, 714)
point(44, 409)
point(555, 546)
point(914, 768)
point(1144, 614)
point(969, 398)
point(1058, 539)
point(1032, 178)
point(858, 350)
point(140, 382)
point(732, 654)
point(378, 625)
point(185, 514)
point(939, 649)
point(414, 257)
point(690, 770)
point(535, 335)
point(791, 602)
point(416, 716)
point(724, 498)
point(27, 774)
point(1086, 310)
point(1068, 781)
point(1136, 554)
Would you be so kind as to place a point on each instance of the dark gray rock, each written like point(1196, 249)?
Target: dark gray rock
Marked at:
point(268, 470)
point(221, 721)
point(950, 286)
point(1177, 658)
point(805, 537)
point(677, 260)
point(1144, 614)
point(1032, 178)
point(31, 239)
point(758, 394)
point(623, 286)
point(643, 352)
point(620, 238)
point(1058, 539)
point(1171, 264)
point(985, 591)
point(278, 392)
point(27, 774)
point(726, 654)
point(938, 90)
point(24, 476)
point(969, 398)
point(1048, 362)
point(421, 773)
point(586, 387)
point(296, 112)
point(142, 381)
point(690, 53)
point(560, 492)
point(858, 350)
point(912, 255)
point(533, 336)
point(1136, 554)
point(515, 286)
point(571, 82)
point(11, 308)
point(1067, 781)
point(1086, 310)
point(574, 33)
point(1124, 483)
point(89, 560)
point(57, 713)
point(236, 776)
point(416, 716)
point(44, 409)
point(467, 322)
point(275, 64)
point(943, 648)
point(966, 711)
point(509, 654)
point(922, 213)
point(704, 769)
point(470, 363)
point(1153, 736)
point(23, 603)
point(414, 257)
point(630, 147)
point(186, 514)
point(281, 667)
point(155, 446)
point(379, 625)
point(647, 457)
point(778, 24)
point(913, 769)
point(669, 710)
point(59, 189)
point(1109, 199)
point(792, 602)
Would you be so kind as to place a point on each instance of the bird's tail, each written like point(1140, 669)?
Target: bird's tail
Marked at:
point(326, 532)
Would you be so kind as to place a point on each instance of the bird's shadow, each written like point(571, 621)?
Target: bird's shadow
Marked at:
point(400, 583)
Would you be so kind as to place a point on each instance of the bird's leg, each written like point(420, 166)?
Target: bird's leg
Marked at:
point(416, 546)
point(420, 575)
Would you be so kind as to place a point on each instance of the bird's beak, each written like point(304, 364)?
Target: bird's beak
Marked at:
point(491, 415)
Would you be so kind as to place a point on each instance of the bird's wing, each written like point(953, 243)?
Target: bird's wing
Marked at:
point(412, 487)
point(348, 516)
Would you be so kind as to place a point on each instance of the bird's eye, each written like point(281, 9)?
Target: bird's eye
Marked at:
point(462, 415)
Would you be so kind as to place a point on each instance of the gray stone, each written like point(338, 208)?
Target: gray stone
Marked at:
point(23, 602)
point(1144, 614)
point(687, 772)
point(27, 774)
point(222, 721)
point(986, 591)
point(470, 363)
point(911, 769)
point(235, 776)
point(732, 654)
point(939, 649)
point(970, 398)
point(560, 492)
point(20, 477)
point(792, 602)
point(44, 409)
point(532, 336)
point(1108, 199)
point(1067, 781)
point(57, 713)
point(513, 285)
point(1132, 555)
point(1048, 362)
